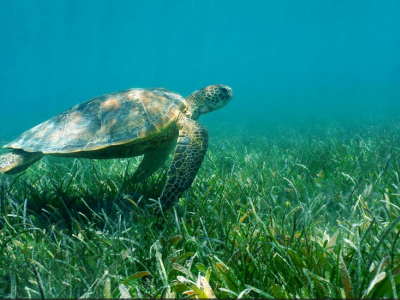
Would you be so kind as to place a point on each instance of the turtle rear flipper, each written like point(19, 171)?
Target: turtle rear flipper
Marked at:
point(189, 154)
point(17, 161)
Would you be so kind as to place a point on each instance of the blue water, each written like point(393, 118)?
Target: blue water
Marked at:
point(283, 59)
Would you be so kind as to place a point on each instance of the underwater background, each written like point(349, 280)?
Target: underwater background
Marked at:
point(284, 60)
point(299, 192)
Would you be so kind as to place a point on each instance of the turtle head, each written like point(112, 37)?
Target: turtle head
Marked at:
point(208, 99)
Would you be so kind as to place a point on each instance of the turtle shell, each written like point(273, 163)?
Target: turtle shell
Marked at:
point(132, 115)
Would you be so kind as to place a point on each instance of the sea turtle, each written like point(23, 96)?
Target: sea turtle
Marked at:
point(132, 122)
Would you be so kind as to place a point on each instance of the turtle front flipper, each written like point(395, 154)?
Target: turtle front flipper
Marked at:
point(17, 161)
point(152, 161)
point(189, 154)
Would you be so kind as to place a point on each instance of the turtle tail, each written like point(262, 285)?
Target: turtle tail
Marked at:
point(17, 161)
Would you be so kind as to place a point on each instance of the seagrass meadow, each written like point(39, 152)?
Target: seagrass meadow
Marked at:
point(301, 209)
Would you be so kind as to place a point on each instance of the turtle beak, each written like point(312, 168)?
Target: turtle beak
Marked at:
point(230, 93)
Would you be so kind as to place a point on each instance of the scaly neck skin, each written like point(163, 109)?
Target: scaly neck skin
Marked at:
point(194, 102)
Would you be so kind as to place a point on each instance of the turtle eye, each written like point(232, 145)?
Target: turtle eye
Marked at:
point(224, 90)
